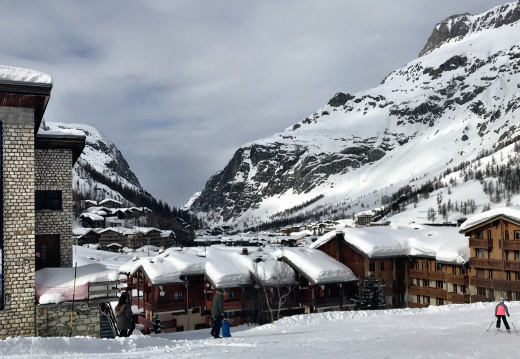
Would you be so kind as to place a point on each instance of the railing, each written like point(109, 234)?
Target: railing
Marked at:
point(99, 290)
point(234, 305)
point(486, 263)
point(422, 274)
point(480, 282)
point(505, 285)
point(512, 265)
point(480, 243)
point(458, 298)
point(427, 291)
point(162, 307)
point(458, 279)
point(512, 245)
point(326, 302)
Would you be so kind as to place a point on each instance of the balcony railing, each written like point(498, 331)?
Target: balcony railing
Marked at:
point(458, 279)
point(417, 305)
point(486, 263)
point(480, 243)
point(480, 282)
point(431, 275)
point(236, 305)
point(512, 265)
point(458, 298)
point(326, 302)
point(512, 245)
point(427, 291)
point(505, 285)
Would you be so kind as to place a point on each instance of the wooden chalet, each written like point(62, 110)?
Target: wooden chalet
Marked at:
point(430, 269)
point(494, 242)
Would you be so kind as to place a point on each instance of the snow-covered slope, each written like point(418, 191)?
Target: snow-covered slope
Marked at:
point(451, 331)
point(100, 157)
point(438, 111)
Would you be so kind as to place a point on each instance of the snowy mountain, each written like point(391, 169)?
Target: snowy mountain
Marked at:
point(449, 331)
point(100, 166)
point(440, 111)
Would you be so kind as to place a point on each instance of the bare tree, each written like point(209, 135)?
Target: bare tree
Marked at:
point(276, 289)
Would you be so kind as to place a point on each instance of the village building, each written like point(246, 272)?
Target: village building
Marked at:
point(494, 242)
point(418, 265)
point(177, 286)
point(36, 221)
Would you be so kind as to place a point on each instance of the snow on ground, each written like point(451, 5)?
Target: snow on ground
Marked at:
point(451, 331)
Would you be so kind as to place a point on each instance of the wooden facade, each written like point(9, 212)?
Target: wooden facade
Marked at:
point(409, 281)
point(494, 259)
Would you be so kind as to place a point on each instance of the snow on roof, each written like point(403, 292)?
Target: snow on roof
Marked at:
point(225, 269)
point(17, 74)
point(64, 277)
point(445, 244)
point(512, 213)
point(81, 231)
point(92, 216)
point(316, 265)
point(109, 200)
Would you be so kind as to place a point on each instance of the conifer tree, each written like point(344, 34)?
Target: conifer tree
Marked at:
point(371, 294)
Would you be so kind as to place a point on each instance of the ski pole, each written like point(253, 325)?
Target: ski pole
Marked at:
point(514, 327)
point(490, 325)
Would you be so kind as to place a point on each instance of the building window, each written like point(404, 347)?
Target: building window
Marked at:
point(480, 272)
point(231, 295)
point(489, 234)
point(439, 284)
point(508, 275)
point(517, 234)
point(382, 267)
point(462, 289)
point(426, 300)
point(508, 255)
point(480, 252)
point(481, 291)
point(372, 267)
point(438, 266)
point(48, 200)
point(506, 234)
point(439, 301)
point(177, 296)
point(491, 273)
point(480, 235)
point(425, 265)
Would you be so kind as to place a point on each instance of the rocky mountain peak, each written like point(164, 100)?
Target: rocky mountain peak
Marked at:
point(457, 27)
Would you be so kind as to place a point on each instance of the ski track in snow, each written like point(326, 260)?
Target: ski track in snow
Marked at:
point(451, 331)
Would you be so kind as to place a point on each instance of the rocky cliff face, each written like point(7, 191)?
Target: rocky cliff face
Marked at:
point(445, 107)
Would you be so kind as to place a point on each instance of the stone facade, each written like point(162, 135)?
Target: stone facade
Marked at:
point(53, 320)
point(54, 172)
point(17, 317)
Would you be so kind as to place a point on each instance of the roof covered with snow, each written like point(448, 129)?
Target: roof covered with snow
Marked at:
point(445, 244)
point(18, 74)
point(511, 213)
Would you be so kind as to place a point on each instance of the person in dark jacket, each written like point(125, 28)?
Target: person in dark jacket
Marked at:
point(123, 311)
point(500, 312)
point(217, 312)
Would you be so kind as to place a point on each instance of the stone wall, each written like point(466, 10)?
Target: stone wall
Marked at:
point(53, 320)
point(54, 172)
point(17, 317)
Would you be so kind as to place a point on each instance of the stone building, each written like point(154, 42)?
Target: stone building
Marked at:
point(36, 218)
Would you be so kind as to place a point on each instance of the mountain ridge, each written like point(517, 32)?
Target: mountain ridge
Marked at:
point(450, 103)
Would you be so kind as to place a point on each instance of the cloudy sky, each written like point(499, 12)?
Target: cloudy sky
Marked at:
point(178, 86)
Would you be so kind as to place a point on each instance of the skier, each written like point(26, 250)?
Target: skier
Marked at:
point(500, 312)
point(217, 311)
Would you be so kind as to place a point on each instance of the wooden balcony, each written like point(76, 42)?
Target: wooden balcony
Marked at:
point(160, 307)
point(512, 245)
point(458, 279)
point(458, 298)
point(512, 265)
point(480, 243)
point(486, 263)
point(431, 275)
point(480, 282)
point(427, 291)
point(326, 302)
point(417, 273)
point(231, 306)
point(505, 285)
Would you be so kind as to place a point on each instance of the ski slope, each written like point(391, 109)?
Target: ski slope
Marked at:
point(451, 331)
